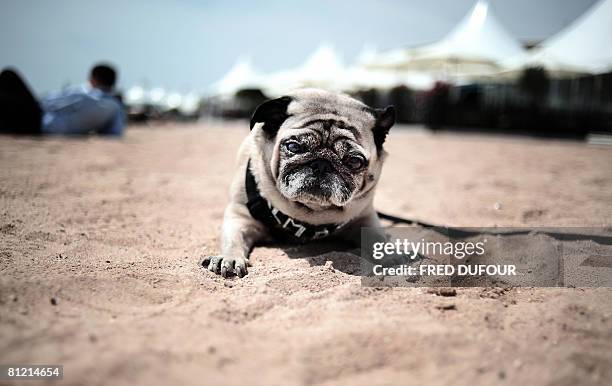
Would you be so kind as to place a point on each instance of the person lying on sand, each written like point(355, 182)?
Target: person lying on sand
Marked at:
point(78, 110)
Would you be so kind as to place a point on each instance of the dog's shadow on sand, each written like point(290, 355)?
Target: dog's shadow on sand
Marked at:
point(344, 256)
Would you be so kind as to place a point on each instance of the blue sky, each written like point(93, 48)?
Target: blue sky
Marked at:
point(186, 45)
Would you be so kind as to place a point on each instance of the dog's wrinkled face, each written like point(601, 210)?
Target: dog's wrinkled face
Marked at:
point(321, 163)
point(326, 148)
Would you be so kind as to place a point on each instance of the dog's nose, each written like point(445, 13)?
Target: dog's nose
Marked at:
point(321, 166)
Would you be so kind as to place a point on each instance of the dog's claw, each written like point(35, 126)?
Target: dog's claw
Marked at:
point(214, 264)
point(226, 266)
point(241, 270)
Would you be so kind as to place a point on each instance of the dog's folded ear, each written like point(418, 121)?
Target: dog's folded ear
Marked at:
point(272, 113)
point(385, 118)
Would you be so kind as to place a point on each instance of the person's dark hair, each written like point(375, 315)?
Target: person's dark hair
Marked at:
point(104, 75)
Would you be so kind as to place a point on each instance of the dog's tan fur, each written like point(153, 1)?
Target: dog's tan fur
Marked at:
point(240, 231)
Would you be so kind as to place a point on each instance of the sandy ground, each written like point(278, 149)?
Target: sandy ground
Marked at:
point(99, 241)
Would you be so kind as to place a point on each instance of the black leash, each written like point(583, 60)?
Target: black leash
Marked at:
point(463, 232)
point(400, 220)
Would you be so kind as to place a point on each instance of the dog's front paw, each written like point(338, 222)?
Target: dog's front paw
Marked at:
point(226, 265)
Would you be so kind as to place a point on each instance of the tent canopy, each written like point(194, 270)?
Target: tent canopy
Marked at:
point(359, 78)
point(474, 46)
point(479, 37)
point(583, 47)
point(241, 76)
point(324, 68)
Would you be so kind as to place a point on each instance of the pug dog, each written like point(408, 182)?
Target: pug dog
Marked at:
point(308, 170)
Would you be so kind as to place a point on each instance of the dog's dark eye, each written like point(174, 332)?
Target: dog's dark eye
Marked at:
point(355, 162)
point(294, 147)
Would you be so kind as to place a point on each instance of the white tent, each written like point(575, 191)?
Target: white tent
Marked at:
point(583, 47)
point(239, 77)
point(473, 47)
point(366, 75)
point(323, 68)
point(135, 96)
point(190, 104)
point(367, 55)
point(156, 96)
point(363, 77)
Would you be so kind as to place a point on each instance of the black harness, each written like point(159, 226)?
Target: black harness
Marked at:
point(279, 224)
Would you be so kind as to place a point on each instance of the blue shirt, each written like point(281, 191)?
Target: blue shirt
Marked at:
point(82, 110)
